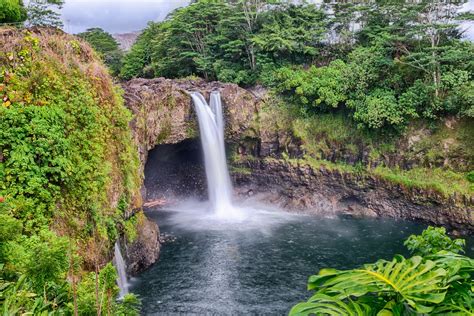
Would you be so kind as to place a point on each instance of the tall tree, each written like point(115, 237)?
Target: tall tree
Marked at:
point(186, 41)
point(106, 46)
point(44, 13)
point(137, 62)
point(291, 32)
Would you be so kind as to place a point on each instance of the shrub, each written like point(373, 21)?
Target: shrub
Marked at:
point(438, 283)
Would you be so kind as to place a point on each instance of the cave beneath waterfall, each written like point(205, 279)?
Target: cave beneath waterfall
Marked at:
point(175, 171)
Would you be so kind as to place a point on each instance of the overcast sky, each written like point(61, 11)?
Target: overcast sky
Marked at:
point(122, 16)
point(115, 16)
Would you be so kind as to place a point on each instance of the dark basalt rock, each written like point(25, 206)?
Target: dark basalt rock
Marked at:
point(163, 114)
point(163, 110)
point(145, 250)
point(300, 188)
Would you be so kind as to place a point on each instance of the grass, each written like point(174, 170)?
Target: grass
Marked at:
point(443, 156)
point(240, 170)
point(446, 182)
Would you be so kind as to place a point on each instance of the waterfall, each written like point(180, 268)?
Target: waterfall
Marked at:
point(121, 274)
point(211, 128)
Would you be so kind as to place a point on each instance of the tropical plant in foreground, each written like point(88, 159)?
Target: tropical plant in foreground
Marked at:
point(437, 284)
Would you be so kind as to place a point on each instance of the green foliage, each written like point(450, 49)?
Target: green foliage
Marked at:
point(291, 32)
point(65, 149)
point(437, 283)
point(47, 166)
point(32, 272)
point(323, 87)
point(129, 306)
point(131, 226)
point(406, 61)
point(106, 46)
point(44, 13)
point(432, 241)
point(234, 41)
point(321, 304)
point(137, 62)
point(12, 11)
point(103, 285)
point(470, 177)
point(379, 108)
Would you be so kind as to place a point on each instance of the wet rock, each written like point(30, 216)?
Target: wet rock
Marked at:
point(145, 250)
point(301, 188)
point(163, 112)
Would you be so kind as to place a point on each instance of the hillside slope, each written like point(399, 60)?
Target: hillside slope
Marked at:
point(69, 173)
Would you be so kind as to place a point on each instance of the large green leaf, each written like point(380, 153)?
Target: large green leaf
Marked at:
point(417, 283)
point(321, 304)
point(460, 296)
point(453, 263)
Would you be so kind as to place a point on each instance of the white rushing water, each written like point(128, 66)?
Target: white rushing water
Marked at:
point(121, 274)
point(211, 127)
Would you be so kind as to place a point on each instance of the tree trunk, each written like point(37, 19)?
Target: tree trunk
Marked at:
point(97, 289)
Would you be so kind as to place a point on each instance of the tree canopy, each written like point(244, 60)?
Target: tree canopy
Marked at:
point(12, 11)
point(384, 62)
point(106, 46)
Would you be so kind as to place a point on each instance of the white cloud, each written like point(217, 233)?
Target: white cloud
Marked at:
point(115, 16)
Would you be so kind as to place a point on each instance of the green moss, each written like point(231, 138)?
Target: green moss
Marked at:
point(191, 131)
point(66, 153)
point(336, 135)
point(442, 181)
point(446, 182)
point(165, 132)
point(130, 229)
point(65, 142)
point(240, 170)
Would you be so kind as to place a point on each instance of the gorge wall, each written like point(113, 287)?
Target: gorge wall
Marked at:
point(266, 160)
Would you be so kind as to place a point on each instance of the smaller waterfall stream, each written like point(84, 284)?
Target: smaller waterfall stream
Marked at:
point(122, 275)
point(211, 127)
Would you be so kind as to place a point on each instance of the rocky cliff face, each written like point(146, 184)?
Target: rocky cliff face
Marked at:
point(163, 114)
point(300, 187)
point(163, 110)
point(145, 250)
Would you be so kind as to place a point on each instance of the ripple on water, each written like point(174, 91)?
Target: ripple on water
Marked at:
point(258, 264)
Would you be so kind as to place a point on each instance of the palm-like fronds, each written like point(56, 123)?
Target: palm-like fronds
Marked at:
point(413, 282)
point(321, 304)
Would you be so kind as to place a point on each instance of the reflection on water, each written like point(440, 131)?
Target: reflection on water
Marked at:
point(259, 265)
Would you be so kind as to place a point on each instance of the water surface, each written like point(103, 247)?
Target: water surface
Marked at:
point(259, 266)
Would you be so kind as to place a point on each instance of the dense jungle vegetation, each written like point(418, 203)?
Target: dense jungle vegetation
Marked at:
point(68, 171)
point(343, 74)
point(385, 62)
point(352, 76)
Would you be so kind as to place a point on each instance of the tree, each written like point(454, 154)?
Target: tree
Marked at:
point(106, 46)
point(291, 32)
point(44, 13)
point(251, 10)
point(12, 11)
point(186, 45)
point(424, 39)
point(232, 41)
point(137, 62)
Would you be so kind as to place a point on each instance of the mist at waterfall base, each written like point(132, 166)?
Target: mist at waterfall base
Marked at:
point(248, 258)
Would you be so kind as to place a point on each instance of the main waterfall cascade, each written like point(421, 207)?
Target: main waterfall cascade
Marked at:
point(211, 127)
point(121, 274)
